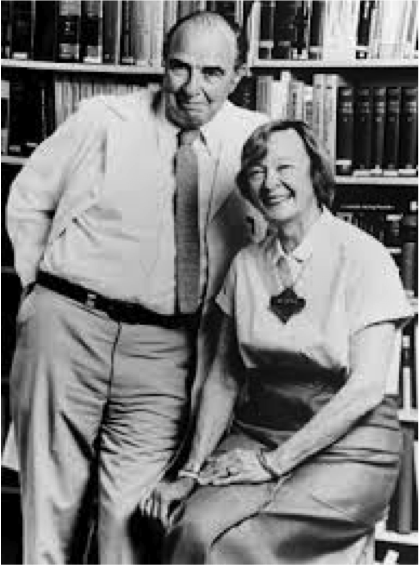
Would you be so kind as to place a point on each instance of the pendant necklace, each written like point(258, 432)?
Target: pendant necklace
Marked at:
point(287, 303)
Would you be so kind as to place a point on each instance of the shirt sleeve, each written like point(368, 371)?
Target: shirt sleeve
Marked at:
point(374, 292)
point(226, 296)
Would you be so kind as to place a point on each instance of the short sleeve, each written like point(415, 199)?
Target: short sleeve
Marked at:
point(374, 292)
point(225, 298)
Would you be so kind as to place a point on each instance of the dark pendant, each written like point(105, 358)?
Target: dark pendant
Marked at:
point(286, 304)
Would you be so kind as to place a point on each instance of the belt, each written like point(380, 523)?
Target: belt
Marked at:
point(118, 310)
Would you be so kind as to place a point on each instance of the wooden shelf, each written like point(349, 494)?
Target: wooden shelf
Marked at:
point(313, 64)
point(12, 160)
point(393, 537)
point(356, 180)
point(409, 415)
point(80, 67)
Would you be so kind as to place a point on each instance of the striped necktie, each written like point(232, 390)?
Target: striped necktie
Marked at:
point(187, 224)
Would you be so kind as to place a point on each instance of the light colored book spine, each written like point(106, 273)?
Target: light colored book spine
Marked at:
point(169, 15)
point(157, 32)
point(141, 32)
point(319, 86)
point(5, 115)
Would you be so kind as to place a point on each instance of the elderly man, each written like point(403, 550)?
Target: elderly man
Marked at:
point(123, 224)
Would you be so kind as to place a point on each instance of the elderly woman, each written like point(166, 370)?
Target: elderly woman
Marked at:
point(310, 443)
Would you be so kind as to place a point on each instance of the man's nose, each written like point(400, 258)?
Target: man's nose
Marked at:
point(193, 83)
point(271, 178)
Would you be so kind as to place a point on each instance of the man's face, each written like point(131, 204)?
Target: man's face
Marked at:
point(199, 73)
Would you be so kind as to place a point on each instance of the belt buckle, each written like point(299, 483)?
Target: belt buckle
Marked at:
point(91, 300)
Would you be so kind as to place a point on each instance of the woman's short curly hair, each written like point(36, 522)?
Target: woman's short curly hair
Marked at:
point(256, 148)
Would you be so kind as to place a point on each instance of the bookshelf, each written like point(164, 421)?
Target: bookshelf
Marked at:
point(356, 194)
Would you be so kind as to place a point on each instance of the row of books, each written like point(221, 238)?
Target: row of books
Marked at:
point(337, 30)
point(99, 31)
point(396, 229)
point(33, 107)
point(366, 129)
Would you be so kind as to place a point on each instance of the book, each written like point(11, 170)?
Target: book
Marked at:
point(6, 28)
point(406, 376)
point(362, 130)
point(340, 30)
point(111, 31)
point(392, 131)
point(5, 115)
point(141, 32)
point(91, 27)
point(245, 93)
point(408, 149)
point(330, 110)
point(366, 11)
point(378, 129)
point(285, 30)
point(45, 47)
point(409, 259)
point(317, 17)
point(267, 33)
point(345, 130)
point(23, 26)
point(127, 46)
point(156, 33)
point(68, 30)
point(169, 16)
point(319, 92)
point(302, 29)
point(17, 117)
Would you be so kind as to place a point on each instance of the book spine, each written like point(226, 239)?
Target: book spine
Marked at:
point(363, 129)
point(319, 89)
point(408, 156)
point(5, 115)
point(406, 374)
point(405, 493)
point(127, 48)
point(330, 114)
point(391, 142)
point(18, 114)
point(245, 93)
point(266, 29)
point(91, 41)
point(409, 264)
point(317, 17)
point(285, 30)
point(111, 31)
point(366, 10)
point(378, 129)
point(68, 30)
point(6, 28)
point(45, 48)
point(23, 26)
point(345, 130)
point(156, 31)
point(141, 32)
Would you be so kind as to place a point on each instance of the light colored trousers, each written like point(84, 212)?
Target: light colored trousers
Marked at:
point(90, 395)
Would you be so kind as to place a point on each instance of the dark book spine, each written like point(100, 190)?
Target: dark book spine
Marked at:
point(127, 47)
point(285, 33)
point(363, 128)
point(68, 30)
point(245, 93)
point(226, 9)
point(111, 31)
point(317, 17)
point(408, 150)
point(17, 130)
point(302, 20)
point(366, 9)
point(6, 28)
point(392, 131)
point(409, 259)
point(91, 31)
point(345, 130)
point(266, 30)
point(5, 115)
point(45, 48)
point(23, 25)
point(378, 128)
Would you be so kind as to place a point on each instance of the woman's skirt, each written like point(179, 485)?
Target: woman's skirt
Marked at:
point(323, 513)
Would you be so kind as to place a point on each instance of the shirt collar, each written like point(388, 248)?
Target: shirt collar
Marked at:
point(315, 238)
point(211, 133)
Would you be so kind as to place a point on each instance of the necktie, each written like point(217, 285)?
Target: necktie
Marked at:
point(287, 303)
point(186, 224)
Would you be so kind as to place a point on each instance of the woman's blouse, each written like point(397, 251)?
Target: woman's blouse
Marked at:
point(348, 280)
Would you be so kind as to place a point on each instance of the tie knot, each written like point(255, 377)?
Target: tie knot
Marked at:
point(188, 136)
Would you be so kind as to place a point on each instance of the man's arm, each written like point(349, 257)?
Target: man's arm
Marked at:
point(37, 189)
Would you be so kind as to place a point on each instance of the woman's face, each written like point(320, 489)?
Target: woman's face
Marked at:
point(281, 184)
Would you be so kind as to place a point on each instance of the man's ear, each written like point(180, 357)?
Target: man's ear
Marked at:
point(238, 75)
